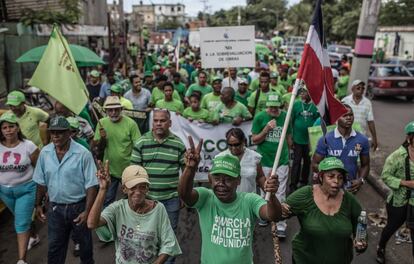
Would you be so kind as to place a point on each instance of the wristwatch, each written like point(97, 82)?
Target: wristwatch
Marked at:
point(362, 180)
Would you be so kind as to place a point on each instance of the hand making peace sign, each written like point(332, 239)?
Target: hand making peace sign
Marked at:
point(192, 155)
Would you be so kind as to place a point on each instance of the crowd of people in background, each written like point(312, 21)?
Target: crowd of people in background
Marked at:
point(70, 169)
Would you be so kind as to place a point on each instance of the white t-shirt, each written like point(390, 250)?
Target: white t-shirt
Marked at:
point(15, 164)
point(248, 169)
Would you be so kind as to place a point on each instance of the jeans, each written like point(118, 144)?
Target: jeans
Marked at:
point(396, 218)
point(173, 210)
point(60, 225)
point(300, 173)
point(111, 193)
point(283, 175)
point(20, 200)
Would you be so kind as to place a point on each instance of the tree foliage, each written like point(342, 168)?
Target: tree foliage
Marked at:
point(71, 14)
point(397, 13)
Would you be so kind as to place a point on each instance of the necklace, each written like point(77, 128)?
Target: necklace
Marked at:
point(305, 111)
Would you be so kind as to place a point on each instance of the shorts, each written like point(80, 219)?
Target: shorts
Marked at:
point(20, 200)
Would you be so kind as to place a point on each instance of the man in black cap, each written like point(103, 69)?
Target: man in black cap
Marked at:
point(66, 171)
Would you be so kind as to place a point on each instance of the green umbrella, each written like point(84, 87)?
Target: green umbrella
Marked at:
point(84, 57)
point(262, 49)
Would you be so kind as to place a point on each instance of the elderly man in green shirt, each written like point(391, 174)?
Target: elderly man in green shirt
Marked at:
point(398, 174)
point(114, 137)
point(29, 118)
point(229, 110)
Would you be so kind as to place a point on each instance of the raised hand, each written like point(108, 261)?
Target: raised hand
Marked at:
point(103, 175)
point(192, 155)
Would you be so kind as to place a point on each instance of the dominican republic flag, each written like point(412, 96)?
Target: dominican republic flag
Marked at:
point(315, 71)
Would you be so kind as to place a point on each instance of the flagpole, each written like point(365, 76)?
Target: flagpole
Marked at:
point(74, 63)
point(177, 63)
point(284, 130)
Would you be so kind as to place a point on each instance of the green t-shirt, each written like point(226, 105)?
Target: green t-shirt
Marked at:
point(210, 101)
point(120, 138)
point(226, 115)
point(242, 98)
point(180, 88)
point(139, 238)
point(286, 83)
point(304, 115)
point(157, 95)
point(269, 146)
point(254, 85)
point(196, 87)
point(201, 115)
point(332, 233)
point(278, 88)
point(29, 123)
point(342, 86)
point(227, 228)
point(261, 102)
point(174, 105)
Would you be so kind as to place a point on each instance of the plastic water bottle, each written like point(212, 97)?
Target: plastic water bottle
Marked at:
point(361, 232)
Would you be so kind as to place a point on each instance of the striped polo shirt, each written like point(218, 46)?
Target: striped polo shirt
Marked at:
point(162, 162)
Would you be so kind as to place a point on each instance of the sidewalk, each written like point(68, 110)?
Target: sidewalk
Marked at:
point(374, 177)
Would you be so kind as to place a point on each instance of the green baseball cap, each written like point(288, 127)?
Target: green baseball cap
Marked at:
point(116, 88)
point(273, 99)
point(409, 128)
point(274, 75)
point(8, 117)
point(217, 78)
point(15, 98)
point(73, 122)
point(58, 123)
point(148, 74)
point(331, 163)
point(156, 68)
point(227, 164)
point(246, 70)
point(95, 74)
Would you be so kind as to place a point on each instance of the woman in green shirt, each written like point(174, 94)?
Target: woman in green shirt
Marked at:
point(194, 112)
point(402, 189)
point(328, 217)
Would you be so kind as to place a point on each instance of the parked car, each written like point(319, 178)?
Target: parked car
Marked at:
point(390, 80)
point(409, 64)
point(336, 52)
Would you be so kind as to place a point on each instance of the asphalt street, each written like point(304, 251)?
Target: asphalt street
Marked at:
point(391, 116)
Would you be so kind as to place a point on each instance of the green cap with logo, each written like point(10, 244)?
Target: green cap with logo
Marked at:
point(58, 123)
point(217, 78)
point(227, 164)
point(8, 117)
point(273, 99)
point(409, 128)
point(15, 98)
point(331, 163)
point(116, 88)
point(95, 74)
point(73, 122)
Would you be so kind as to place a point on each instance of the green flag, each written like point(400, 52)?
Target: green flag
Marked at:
point(58, 75)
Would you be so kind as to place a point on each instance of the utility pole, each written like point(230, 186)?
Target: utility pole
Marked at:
point(123, 35)
point(364, 44)
point(238, 16)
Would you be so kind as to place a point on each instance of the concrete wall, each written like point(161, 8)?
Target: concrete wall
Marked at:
point(406, 42)
point(94, 12)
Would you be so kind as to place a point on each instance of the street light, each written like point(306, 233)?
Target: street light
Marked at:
point(264, 9)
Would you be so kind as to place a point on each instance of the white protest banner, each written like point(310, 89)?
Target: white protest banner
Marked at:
point(214, 139)
point(223, 47)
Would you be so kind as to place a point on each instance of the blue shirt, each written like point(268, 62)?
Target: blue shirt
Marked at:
point(105, 90)
point(68, 180)
point(347, 150)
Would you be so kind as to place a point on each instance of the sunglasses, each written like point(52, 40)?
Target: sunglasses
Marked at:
point(234, 145)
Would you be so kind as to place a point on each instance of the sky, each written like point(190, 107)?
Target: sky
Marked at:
point(192, 7)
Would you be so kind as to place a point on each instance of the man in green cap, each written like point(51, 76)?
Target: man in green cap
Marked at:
point(266, 132)
point(274, 85)
point(227, 218)
point(211, 100)
point(29, 118)
point(94, 85)
point(116, 90)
